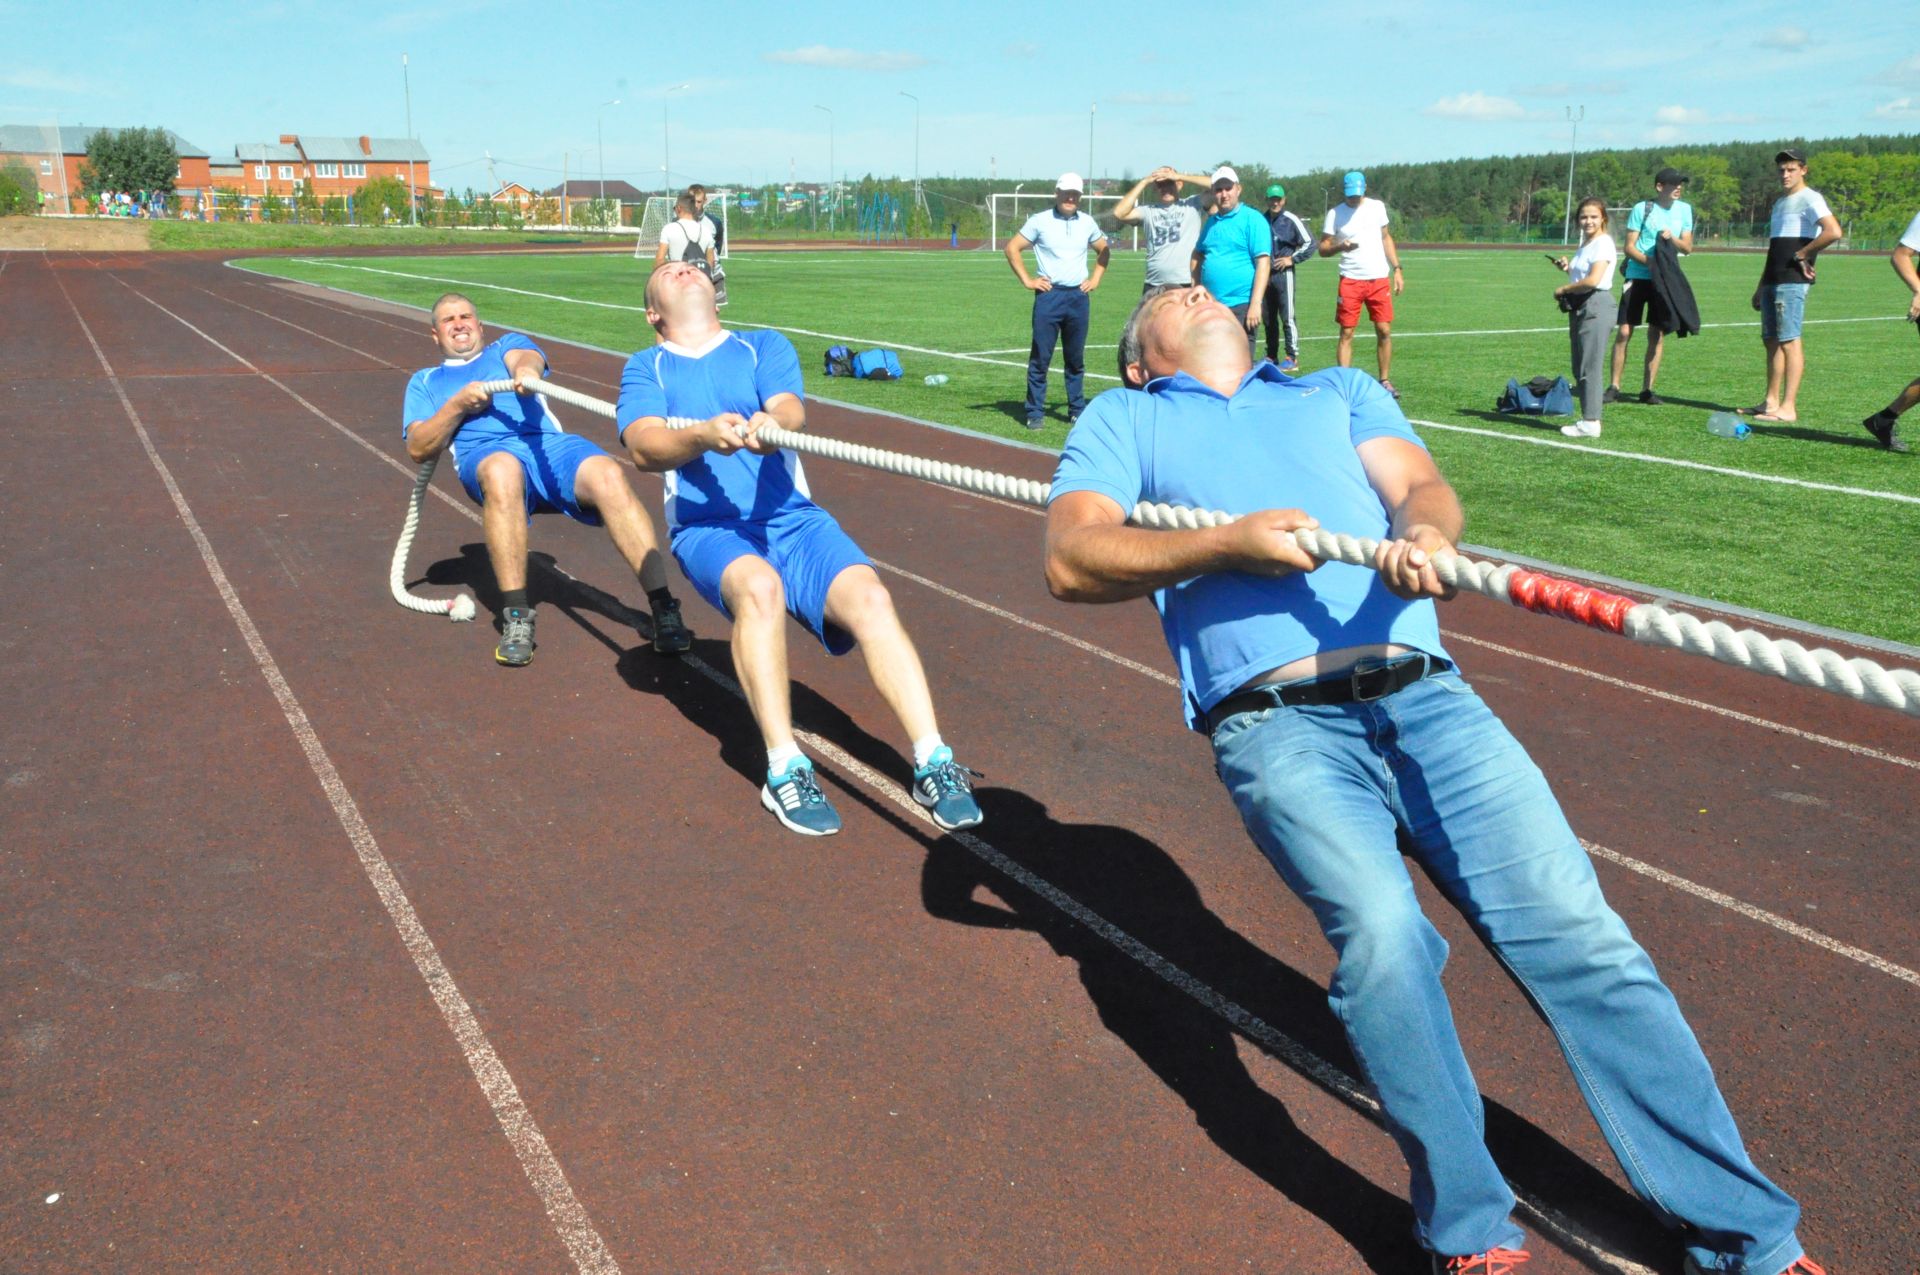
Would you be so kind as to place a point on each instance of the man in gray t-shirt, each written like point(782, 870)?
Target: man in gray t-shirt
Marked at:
point(1173, 224)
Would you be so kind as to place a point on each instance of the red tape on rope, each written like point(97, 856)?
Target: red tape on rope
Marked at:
point(1580, 603)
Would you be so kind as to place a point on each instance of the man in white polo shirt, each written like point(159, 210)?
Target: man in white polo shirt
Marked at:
point(1059, 237)
point(1370, 274)
point(1883, 423)
point(1800, 227)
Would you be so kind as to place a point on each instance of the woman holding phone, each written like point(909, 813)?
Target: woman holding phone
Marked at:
point(1587, 300)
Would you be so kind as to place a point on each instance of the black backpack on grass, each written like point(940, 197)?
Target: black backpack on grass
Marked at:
point(839, 361)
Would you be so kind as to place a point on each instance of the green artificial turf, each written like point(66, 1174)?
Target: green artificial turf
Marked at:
point(178, 236)
point(1468, 321)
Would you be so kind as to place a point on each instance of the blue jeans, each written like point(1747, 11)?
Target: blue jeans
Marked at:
point(1323, 789)
point(1783, 309)
point(1059, 314)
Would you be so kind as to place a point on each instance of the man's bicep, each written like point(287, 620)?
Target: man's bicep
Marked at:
point(1077, 509)
point(1394, 467)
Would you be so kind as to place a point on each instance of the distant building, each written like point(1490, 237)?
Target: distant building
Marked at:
point(332, 166)
point(55, 155)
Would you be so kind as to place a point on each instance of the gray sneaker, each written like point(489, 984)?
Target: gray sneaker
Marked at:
point(670, 634)
point(1885, 430)
point(516, 637)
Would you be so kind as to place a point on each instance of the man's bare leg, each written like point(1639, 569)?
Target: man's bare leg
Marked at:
point(503, 519)
point(1656, 347)
point(1343, 348)
point(752, 590)
point(1793, 363)
point(1384, 331)
point(1622, 338)
point(603, 485)
point(860, 604)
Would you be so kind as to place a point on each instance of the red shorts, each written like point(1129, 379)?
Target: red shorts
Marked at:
point(1375, 294)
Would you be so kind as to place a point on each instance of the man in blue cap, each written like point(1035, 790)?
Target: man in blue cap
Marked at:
point(1370, 273)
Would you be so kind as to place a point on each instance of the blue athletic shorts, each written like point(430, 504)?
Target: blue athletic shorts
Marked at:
point(549, 463)
point(805, 546)
point(1783, 307)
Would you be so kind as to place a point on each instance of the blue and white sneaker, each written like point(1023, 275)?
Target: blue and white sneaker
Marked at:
point(943, 787)
point(796, 801)
point(1289, 364)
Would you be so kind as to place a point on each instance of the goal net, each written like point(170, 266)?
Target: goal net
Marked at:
point(36, 155)
point(1008, 212)
point(659, 211)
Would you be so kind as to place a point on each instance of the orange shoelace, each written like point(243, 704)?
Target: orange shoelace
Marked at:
point(1501, 1261)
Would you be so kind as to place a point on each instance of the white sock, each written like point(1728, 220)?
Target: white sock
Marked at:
point(781, 758)
point(923, 749)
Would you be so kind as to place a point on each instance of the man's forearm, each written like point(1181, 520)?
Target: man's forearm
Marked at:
point(1903, 266)
point(1430, 504)
point(1116, 564)
point(656, 449)
point(430, 437)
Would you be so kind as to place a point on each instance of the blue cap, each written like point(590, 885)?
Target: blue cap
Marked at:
point(1354, 183)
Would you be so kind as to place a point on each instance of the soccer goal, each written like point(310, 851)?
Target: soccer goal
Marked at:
point(659, 211)
point(1009, 211)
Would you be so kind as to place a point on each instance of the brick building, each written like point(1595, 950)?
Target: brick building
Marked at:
point(54, 155)
point(330, 165)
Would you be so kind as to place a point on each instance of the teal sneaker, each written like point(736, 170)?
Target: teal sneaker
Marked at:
point(516, 637)
point(943, 786)
point(796, 801)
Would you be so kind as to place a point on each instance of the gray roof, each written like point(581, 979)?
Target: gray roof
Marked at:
point(266, 153)
point(386, 150)
point(589, 188)
point(30, 138)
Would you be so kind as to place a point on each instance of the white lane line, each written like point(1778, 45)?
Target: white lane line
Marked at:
point(1587, 450)
point(382, 360)
point(1858, 750)
point(530, 1147)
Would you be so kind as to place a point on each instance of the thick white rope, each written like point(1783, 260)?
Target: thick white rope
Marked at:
point(1649, 622)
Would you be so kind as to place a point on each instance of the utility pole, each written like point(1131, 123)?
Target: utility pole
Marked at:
point(919, 196)
point(413, 193)
point(666, 142)
point(1573, 149)
point(1091, 109)
point(600, 140)
point(832, 208)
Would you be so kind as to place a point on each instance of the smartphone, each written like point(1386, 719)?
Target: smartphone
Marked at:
point(1552, 260)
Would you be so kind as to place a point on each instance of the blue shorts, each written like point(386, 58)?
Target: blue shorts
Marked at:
point(1783, 307)
point(548, 463)
point(805, 546)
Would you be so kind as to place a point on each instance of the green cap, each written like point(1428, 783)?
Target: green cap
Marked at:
point(1276, 191)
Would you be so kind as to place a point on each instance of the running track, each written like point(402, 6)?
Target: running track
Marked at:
point(329, 945)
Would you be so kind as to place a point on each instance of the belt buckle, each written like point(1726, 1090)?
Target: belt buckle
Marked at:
point(1376, 678)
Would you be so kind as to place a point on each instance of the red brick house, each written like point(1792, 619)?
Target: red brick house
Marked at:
point(330, 165)
point(54, 155)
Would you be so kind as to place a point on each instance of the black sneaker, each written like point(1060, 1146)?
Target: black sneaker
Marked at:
point(516, 637)
point(1611, 394)
point(1882, 427)
point(1036, 422)
point(670, 633)
point(1651, 399)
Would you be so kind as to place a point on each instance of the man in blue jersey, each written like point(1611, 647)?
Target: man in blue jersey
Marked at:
point(515, 460)
point(756, 547)
point(1340, 726)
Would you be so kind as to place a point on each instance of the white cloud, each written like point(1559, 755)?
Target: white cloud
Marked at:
point(1664, 133)
point(1476, 106)
point(1680, 115)
point(1151, 99)
point(1899, 108)
point(1787, 39)
point(845, 59)
point(1906, 71)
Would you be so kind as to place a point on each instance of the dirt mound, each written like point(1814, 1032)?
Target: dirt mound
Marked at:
point(72, 234)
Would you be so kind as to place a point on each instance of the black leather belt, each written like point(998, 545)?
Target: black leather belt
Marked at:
point(1370, 679)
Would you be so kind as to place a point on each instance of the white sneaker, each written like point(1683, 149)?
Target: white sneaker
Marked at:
point(1582, 429)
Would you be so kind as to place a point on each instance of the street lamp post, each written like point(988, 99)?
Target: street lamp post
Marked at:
point(1092, 109)
point(666, 141)
point(600, 140)
point(1573, 149)
point(413, 194)
point(919, 200)
point(832, 208)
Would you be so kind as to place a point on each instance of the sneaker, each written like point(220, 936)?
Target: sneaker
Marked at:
point(1496, 1261)
point(1071, 418)
point(1036, 422)
point(1289, 364)
point(1582, 429)
point(943, 787)
point(1611, 394)
point(1883, 428)
point(516, 637)
point(1388, 387)
point(670, 633)
point(796, 801)
point(1651, 399)
point(1801, 1266)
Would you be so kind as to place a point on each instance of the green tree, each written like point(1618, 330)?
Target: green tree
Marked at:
point(129, 159)
point(380, 201)
point(1848, 182)
point(1713, 190)
point(19, 190)
point(1604, 175)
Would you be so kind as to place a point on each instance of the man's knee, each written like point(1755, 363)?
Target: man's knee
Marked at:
point(752, 589)
point(861, 604)
point(601, 483)
point(501, 477)
point(1383, 330)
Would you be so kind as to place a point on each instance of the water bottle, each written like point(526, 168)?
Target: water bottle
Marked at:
point(938, 378)
point(1727, 425)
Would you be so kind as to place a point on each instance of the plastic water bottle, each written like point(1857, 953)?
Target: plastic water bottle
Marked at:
point(1727, 425)
point(938, 378)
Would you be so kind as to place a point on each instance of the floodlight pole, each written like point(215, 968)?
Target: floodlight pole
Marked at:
point(919, 199)
point(413, 193)
point(1573, 149)
point(832, 208)
point(666, 142)
point(1092, 108)
point(600, 140)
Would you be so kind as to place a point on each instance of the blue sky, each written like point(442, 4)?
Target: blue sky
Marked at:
point(1011, 89)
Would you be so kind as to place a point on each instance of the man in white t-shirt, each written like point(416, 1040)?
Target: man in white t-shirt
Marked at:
point(1062, 288)
point(1883, 423)
point(688, 237)
point(1800, 227)
point(1370, 274)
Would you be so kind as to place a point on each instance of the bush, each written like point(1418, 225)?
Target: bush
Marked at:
point(19, 190)
point(380, 202)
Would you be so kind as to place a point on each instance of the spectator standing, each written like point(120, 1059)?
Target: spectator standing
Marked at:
point(1587, 298)
point(1059, 237)
point(1173, 224)
point(1665, 216)
point(1370, 273)
point(1800, 227)
point(1883, 424)
point(1235, 253)
point(1292, 244)
point(688, 237)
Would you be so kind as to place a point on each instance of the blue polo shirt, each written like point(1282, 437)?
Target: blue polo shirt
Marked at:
point(511, 414)
point(1645, 223)
point(1278, 443)
point(733, 372)
point(1231, 242)
point(1060, 244)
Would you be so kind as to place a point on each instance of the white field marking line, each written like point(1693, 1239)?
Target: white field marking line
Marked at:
point(530, 1147)
point(634, 309)
point(1804, 483)
point(1761, 915)
point(1681, 883)
point(1858, 750)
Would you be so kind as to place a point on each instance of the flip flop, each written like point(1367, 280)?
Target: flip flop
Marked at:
point(1775, 418)
point(1758, 409)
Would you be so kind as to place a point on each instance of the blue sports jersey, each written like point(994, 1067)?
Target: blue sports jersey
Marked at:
point(734, 372)
point(1278, 443)
point(511, 414)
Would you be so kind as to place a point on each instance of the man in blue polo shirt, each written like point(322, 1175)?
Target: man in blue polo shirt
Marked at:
point(1340, 726)
point(1235, 253)
point(1059, 237)
point(756, 546)
point(516, 461)
point(1665, 216)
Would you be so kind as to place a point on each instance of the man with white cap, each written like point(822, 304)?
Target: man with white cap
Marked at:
point(1370, 274)
point(1235, 253)
point(1059, 237)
